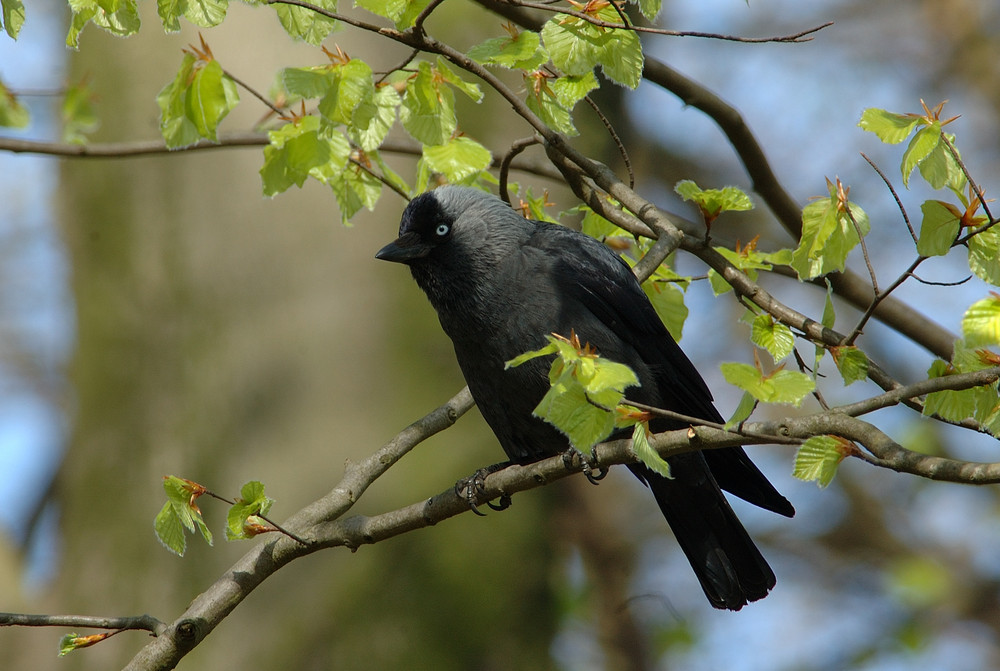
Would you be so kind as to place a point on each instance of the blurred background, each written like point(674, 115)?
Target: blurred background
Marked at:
point(159, 316)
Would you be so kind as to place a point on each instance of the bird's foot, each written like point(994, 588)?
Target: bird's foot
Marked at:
point(472, 487)
point(587, 466)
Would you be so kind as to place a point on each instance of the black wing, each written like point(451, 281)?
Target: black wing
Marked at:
point(598, 281)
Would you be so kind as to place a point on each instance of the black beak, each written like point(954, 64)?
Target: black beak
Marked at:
point(406, 248)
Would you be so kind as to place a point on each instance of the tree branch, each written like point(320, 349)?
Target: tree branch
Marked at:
point(138, 622)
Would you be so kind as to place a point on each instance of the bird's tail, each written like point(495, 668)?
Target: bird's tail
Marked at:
point(729, 566)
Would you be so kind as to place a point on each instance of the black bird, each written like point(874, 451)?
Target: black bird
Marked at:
point(500, 283)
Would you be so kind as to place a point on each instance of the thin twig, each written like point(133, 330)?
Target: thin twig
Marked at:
point(516, 147)
point(877, 300)
point(899, 203)
point(138, 622)
point(274, 108)
point(616, 139)
point(801, 36)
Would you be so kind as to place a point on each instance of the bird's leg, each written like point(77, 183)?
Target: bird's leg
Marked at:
point(587, 465)
point(471, 487)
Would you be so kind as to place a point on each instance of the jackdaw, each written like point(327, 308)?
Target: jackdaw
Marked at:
point(500, 283)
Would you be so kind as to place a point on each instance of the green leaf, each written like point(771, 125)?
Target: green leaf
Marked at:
point(984, 255)
point(445, 72)
point(781, 386)
point(206, 13)
point(978, 403)
point(350, 84)
point(890, 128)
point(920, 147)
point(828, 235)
point(78, 114)
point(308, 82)
point(551, 348)
point(169, 529)
point(252, 502)
point(668, 301)
point(650, 8)
point(713, 202)
point(13, 16)
point(177, 129)
point(571, 89)
point(743, 410)
point(938, 229)
point(584, 391)
point(180, 513)
point(773, 336)
point(521, 52)
point(566, 407)
point(818, 458)
point(428, 109)
point(981, 322)
point(299, 149)
point(12, 113)
point(939, 168)
point(459, 159)
point(577, 46)
point(306, 25)
point(373, 118)
point(542, 101)
point(851, 362)
point(647, 455)
point(747, 259)
point(354, 188)
point(119, 18)
point(170, 12)
point(210, 96)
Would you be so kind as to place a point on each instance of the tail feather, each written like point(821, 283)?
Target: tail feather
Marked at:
point(729, 566)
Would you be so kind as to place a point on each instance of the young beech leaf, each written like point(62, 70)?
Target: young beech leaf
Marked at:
point(584, 390)
point(743, 410)
point(984, 255)
point(773, 336)
point(177, 129)
point(13, 17)
point(645, 452)
point(890, 128)
point(780, 386)
point(713, 202)
point(939, 228)
point(978, 403)
point(851, 362)
point(829, 233)
point(242, 521)
point(668, 301)
point(818, 458)
point(305, 24)
point(521, 52)
point(71, 642)
point(981, 322)
point(78, 114)
point(210, 13)
point(459, 159)
point(210, 96)
point(179, 513)
point(428, 109)
point(576, 46)
point(12, 113)
point(350, 84)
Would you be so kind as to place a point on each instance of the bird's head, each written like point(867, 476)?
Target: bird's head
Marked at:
point(455, 226)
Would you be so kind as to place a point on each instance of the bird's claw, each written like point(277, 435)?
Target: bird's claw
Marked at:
point(471, 487)
point(587, 465)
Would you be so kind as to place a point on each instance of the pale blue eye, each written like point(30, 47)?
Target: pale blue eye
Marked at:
point(442, 230)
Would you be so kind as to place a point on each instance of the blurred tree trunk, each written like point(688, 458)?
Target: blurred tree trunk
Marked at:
point(223, 337)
